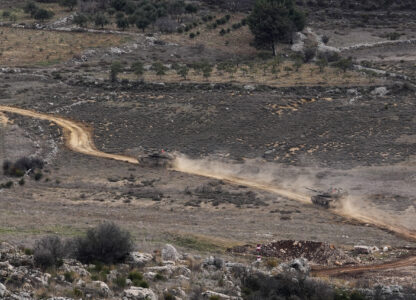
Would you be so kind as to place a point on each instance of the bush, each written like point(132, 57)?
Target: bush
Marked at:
point(325, 39)
point(43, 14)
point(49, 252)
point(192, 35)
point(106, 243)
point(309, 54)
point(21, 166)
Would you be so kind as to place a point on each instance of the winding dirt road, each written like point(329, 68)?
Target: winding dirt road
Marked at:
point(79, 139)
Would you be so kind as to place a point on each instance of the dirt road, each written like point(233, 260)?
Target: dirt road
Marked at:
point(77, 137)
point(330, 272)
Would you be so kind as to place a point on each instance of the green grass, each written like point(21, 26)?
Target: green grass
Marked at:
point(196, 243)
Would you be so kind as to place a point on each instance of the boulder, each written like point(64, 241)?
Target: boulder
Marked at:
point(138, 259)
point(3, 291)
point(170, 253)
point(71, 265)
point(138, 293)
point(215, 295)
point(360, 249)
point(380, 91)
point(102, 288)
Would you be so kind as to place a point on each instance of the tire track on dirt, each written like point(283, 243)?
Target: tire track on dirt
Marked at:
point(79, 139)
point(348, 270)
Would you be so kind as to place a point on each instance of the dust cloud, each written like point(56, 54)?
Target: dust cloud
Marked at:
point(292, 183)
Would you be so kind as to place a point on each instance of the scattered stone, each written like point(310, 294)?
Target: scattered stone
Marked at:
point(360, 249)
point(138, 259)
point(3, 291)
point(102, 288)
point(138, 293)
point(380, 91)
point(215, 295)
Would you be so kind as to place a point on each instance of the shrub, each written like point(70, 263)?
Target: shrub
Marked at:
point(106, 243)
point(38, 176)
point(6, 14)
point(192, 35)
point(115, 68)
point(344, 64)
point(325, 39)
point(48, 252)
point(120, 281)
point(69, 276)
point(21, 166)
point(43, 14)
point(309, 54)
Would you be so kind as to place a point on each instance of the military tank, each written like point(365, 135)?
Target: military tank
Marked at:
point(328, 199)
point(161, 159)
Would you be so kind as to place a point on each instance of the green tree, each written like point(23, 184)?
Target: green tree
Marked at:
point(142, 21)
point(273, 21)
point(322, 63)
point(191, 8)
point(80, 20)
point(30, 8)
point(116, 68)
point(68, 3)
point(101, 20)
point(206, 70)
point(159, 68)
point(43, 14)
point(138, 68)
point(122, 23)
point(344, 64)
point(297, 64)
point(183, 71)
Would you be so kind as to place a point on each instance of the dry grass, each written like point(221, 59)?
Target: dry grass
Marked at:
point(25, 47)
point(307, 75)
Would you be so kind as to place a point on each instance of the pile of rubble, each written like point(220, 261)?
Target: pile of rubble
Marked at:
point(315, 252)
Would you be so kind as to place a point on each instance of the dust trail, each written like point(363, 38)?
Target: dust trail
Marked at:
point(277, 181)
point(281, 181)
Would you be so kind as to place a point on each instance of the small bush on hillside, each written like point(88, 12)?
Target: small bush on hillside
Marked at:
point(21, 166)
point(309, 54)
point(48, 252)
point(106, 243)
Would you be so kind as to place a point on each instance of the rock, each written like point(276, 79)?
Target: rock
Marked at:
point(214, 261)
point(177, 292)
point(138, 259)
point(170, 253)
point(380, 91)
point(138, 293)
point(297, 268)
point(215, 295)
point(169, 270)
point(3, 291)
point(71, 265)
point(249, 87)
point(102, 288)
point(390, 292)
point(301, 265)
point(360, 249)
